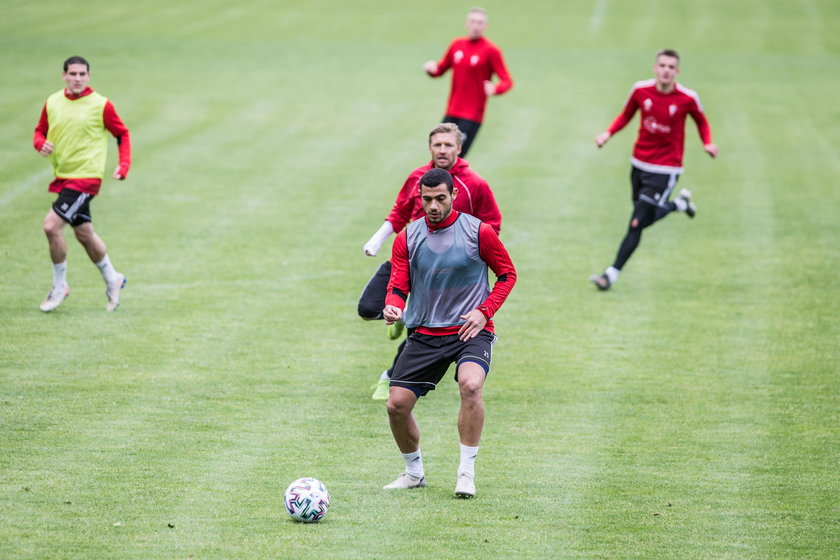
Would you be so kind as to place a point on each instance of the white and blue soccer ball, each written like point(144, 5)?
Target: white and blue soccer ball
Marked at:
point(307, 500)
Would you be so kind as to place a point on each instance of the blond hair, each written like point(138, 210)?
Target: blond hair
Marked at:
point(447, 128)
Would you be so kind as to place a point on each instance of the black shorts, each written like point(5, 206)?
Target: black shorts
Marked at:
point(468, 128)
point(653, 188)
point(425, 359)
point(73, 206)
point(372, 300)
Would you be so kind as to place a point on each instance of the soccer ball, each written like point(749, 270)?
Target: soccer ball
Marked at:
point(307, 500)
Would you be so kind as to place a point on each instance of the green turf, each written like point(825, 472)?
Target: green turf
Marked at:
point(691, 412)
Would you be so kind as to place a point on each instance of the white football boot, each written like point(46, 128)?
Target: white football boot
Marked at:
point(406, 481)
point(54, 298)
point(112, 292)
point(465, 487)
point(690, 207)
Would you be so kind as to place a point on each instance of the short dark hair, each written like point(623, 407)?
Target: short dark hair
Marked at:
point(436, 176)
point(76, 60)
point(668, 52)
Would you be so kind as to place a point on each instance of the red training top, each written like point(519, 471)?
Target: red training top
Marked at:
point(659, 147)
point(113, 123)
point(472, 62)
point(491, 251)
point(474, 197)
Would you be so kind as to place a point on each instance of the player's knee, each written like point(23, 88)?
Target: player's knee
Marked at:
point(471, 390)
point(399, 404)
point(51, 230)
point(471, 381)
point(369, 312)
point(643, 216)
point(52, 226)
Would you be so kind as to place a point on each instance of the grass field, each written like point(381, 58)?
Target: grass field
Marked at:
point(691, 412)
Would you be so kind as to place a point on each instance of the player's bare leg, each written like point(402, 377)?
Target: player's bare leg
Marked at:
point(471, 378)
point(92, 243)
point(98, 253)
point(54, 230)
point(400, 405)
point(406, 433)
point(471, 415)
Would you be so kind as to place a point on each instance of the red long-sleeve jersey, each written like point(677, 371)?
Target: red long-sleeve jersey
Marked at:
point(473, 61)
point(659, 147)
point(113, 123)
point(474, 197)
point(491, 252)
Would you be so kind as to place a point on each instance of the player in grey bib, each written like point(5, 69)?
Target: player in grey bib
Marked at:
point(445, 267)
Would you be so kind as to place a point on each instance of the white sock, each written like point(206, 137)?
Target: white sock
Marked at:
point(413, 463)
point(681, 204)
point(384, 375)
point(468, 459)
point(612, 274)
point(60, 274)
point(107, 269)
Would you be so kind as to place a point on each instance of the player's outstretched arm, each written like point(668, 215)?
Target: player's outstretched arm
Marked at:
point(602, 138)
point(711, 149)
point(435, 69)
point(500, 69)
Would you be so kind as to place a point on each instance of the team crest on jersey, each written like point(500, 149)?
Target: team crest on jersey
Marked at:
point(458, 56)
point(672, 109)
point(647, 104)
point(474, 60)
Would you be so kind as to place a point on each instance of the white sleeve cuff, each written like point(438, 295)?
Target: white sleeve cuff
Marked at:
point(378, 238)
